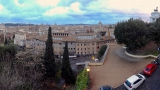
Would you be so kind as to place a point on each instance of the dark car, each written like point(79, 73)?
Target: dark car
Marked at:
point(106, 87)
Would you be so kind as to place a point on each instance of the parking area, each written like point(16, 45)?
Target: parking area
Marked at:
point(79, 60)
point(116, 68)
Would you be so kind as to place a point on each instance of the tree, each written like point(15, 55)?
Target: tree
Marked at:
point(155, 31)
point(11, 49)
point(1, 53)
point(30, 67)
point(5, 42)
point(49, 60)
point(133, 33)
point(102, 51)
point(82, 80)
point(66, 71)
point(9, 77)
point(7, 52)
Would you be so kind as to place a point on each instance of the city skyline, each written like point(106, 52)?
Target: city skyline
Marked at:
point(74, 12)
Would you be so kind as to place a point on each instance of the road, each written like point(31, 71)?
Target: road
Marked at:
point(79, 60)
point(151, 83)
point(116, 69)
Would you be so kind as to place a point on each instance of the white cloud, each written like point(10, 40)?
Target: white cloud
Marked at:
point(3, 10)
point(97, 5)
point(1, 7)
point(33, 18)
point(131, 6)
point(17, 3)
point(48, 2)
point(78, 9)
point(57, 10)
point(74, 8)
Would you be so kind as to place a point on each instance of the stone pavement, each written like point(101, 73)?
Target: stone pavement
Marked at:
point(116, 69)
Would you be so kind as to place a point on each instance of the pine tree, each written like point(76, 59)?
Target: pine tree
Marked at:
point(66, 71)
point(49, 60)
point(5, 42)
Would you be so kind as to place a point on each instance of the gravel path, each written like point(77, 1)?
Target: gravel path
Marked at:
point(116, 68)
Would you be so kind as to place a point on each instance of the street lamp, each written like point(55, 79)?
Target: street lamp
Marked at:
point(93, 57)
point(88, 69)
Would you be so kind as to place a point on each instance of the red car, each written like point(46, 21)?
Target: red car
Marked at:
point(149, 69)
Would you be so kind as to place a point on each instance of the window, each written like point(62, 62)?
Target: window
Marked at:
point(92, 43)
point(78, 48)
point(147, 69)
point(74, 48)
point(137, 81)
point(85, 48)
point(71, 48)
point(81, 48)
point(71, 43)
point(78, 44)
point(139, 76)
point(81, 44)
point(152, 68)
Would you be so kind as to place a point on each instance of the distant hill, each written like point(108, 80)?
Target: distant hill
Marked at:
point(17, 24)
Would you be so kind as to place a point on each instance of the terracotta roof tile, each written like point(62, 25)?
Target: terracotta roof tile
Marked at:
point(69, 38)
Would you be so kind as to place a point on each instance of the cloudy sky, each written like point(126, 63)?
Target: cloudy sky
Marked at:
point(75, 11)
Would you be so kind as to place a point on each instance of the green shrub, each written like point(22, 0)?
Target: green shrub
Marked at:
point(82, 80)
point(102, 51)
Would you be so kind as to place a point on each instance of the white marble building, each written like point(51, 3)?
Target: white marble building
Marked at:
point(154, 15)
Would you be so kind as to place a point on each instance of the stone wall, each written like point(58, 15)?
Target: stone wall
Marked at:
point(102, 60)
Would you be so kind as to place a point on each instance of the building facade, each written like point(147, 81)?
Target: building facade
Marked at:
point(82, 40)
point(154, 15)
point(20, 38)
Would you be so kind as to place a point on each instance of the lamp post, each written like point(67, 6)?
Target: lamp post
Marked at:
point(93, 57)
point(88, 69)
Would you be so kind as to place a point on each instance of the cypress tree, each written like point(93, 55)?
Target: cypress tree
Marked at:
point(5, 42)
point(66, 71)
point(49, 60)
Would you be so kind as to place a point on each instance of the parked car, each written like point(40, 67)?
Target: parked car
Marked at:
point(95, 59)
point(150, 68)
point(134, 81)
point(106, 87)
point(156, 61)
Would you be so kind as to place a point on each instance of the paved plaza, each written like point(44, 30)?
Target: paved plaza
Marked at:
point(116, 68)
